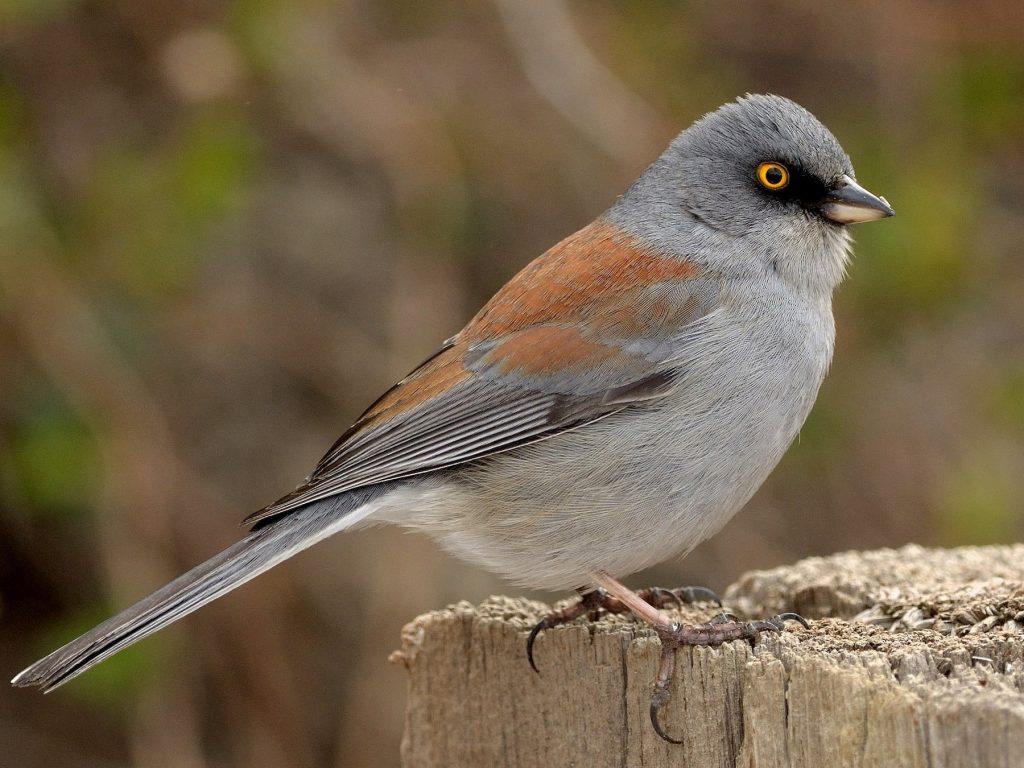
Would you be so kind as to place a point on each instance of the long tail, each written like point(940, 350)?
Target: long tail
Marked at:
point(261, 550)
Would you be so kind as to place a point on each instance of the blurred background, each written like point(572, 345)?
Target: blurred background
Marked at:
point(226, 227)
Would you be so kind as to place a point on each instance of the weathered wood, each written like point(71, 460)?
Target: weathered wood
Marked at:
point(916, 659)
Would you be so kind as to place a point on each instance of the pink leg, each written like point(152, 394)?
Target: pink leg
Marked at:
point(636, 604)
point(592, 601)
point(673, 634)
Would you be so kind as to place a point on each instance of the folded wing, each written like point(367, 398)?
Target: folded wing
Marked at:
point(566, 342)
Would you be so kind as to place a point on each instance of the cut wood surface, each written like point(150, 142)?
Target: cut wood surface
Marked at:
point(915, 657)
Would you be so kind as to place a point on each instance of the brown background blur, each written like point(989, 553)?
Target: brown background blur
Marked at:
point(226, 227)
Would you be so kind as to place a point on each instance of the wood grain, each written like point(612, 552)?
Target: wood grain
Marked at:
point(916, 659)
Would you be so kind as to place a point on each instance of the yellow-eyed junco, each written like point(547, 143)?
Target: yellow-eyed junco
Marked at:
point(612, 406)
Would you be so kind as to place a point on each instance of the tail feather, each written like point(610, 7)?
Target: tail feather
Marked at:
point(261, 550)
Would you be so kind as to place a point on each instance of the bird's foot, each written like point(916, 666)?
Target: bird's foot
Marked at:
point(614, 597)
point(593, 601)
point(721, 629)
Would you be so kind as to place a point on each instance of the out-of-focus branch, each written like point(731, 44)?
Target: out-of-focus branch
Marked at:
point(583, 90)
point(359, 113)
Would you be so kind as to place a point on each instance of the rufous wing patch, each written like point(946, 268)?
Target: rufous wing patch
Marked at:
point(574, 280)
point(549, 350)
point(552, 317)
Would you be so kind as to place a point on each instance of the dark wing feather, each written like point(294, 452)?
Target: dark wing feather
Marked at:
point(479, 419)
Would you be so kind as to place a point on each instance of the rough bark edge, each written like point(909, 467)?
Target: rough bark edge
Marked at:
point(847, 692)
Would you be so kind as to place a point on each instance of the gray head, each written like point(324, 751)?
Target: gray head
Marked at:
point(762, 171)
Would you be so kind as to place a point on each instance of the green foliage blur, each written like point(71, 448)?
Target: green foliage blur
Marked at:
point(226, 227)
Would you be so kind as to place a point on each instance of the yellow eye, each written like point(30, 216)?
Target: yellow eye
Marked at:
point(773, 176)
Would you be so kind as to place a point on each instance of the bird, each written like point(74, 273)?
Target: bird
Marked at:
point(610, 407)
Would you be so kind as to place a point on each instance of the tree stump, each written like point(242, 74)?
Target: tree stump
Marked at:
point(915, 657)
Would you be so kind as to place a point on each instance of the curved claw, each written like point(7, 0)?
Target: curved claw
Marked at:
point(722, 628)
point(666, 668)
point(755, 628)
point(660, 597)
point(655, 706)
point(590, 601)
point(539, 627)
point(784, 617)
point(698, 594)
